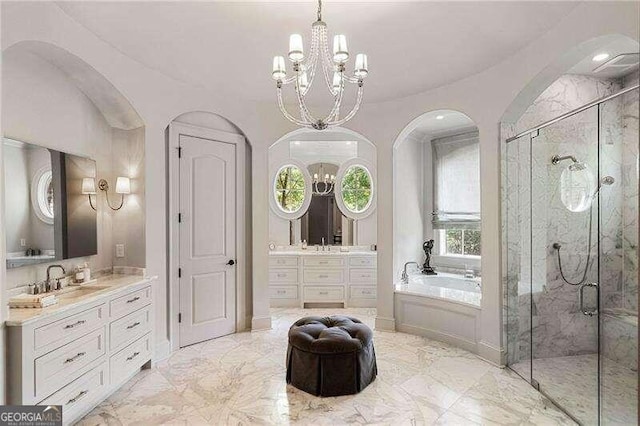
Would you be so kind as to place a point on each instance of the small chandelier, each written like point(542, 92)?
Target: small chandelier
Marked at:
point(333, 69)
point(327, 180)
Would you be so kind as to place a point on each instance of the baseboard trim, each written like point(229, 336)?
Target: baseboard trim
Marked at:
point(492, 354)
point(261, 323)
point(385, 324)
point(451, 339)
point(162, 351)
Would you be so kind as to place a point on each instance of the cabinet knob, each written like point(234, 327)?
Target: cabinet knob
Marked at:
point(231, 262)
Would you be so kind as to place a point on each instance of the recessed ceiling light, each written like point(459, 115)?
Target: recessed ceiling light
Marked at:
point(439, 117)
point(600, 57)
point(297, 142)
point(348, 142)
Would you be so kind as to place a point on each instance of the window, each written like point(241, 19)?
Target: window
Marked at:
point(356, 189)
point(456, 216)
point(289, 189)
point(42, 196)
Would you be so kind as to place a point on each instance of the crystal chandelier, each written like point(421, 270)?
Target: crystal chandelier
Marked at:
point(328, 182)
point(333, 69)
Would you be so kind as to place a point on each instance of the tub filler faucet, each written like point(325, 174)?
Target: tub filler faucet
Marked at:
point(405, 276)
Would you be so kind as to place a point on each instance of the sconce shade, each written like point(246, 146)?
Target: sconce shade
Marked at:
point(123, 185)
point(88, 186)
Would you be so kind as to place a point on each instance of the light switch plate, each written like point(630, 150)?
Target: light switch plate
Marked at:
point(119, 250)
point(23, 242)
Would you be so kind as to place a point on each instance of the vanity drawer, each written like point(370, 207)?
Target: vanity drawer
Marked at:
point(65, 364)
point(129, 328)
point(284, 292)
point(130, 302)
point(363, 292)
point(324, 276)
point(283, 276)
point(324, 261)
point(69, 328)
point(79, 395)
point(283, 261)
point(363, 276)
point(363, 261)
point(324, 294)
point(126, 362)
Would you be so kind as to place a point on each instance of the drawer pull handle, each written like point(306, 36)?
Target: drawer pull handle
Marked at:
point(323, 276)
point(323, 262)
point(281, 291)
point(282, 275)
point(366, 292)
point(134, 299)
point(135, 324)
point(135, 354)
point(365, 276)
point(281, 262)
point(77, 397)
point(68, 326)
point(76, 356)
point(324, 292)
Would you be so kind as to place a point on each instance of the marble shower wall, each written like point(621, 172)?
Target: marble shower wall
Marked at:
point(558, 327)
point(630, 169)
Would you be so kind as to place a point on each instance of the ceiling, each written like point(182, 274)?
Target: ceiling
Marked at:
point(620, 46)
point(441, 123)
point(412, 46)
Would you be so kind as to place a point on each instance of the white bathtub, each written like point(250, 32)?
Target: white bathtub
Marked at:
point(444, 307)
point(443, 286)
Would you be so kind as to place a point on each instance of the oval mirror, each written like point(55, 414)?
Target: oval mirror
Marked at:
point(577, 186)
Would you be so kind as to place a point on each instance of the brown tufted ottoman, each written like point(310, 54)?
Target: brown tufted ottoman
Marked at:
point(330, 356)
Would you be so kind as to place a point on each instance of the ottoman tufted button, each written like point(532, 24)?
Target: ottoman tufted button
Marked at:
point(330, 356)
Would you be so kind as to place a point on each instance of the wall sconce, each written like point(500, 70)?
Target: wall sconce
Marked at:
point(89, 188)
point(123, 186)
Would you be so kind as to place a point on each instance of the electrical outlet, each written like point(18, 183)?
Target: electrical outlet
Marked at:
point(119, 250)
point(23, 242)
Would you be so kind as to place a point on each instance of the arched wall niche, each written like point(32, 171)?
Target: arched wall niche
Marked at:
point(413, 186)
point(113, 105)
point(55, 99)
point(282, 231)
point(527, 173)
point(203, 121)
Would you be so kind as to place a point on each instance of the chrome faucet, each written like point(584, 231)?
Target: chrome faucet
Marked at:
point(322, 243)
point(47, 283)
point(405, 276)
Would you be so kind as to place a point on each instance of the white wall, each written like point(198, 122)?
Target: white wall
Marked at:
point(43, 107)
point(484, 97)
point(410, 180)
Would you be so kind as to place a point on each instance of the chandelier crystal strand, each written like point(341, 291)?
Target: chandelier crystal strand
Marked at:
point(333, 64)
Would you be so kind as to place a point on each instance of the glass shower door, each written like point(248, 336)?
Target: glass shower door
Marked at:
point(618, 256)
point(565, 264)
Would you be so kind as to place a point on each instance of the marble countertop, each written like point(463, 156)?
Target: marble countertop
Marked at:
point(105, 287)
point(311, 251)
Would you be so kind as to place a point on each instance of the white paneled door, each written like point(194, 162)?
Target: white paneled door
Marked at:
point(207, 239)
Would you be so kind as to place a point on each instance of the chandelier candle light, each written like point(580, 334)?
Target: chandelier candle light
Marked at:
point(333, 69)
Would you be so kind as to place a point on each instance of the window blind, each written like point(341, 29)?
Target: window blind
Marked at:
point(456, 172)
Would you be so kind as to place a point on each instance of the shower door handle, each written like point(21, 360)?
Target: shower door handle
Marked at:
point(588, 312)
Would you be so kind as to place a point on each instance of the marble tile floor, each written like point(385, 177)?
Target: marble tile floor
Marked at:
point(572, 381)
point(240, 380)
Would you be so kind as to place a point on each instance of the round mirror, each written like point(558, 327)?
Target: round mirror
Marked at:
point(355, 189)
point(577, 186)
point(291, 191)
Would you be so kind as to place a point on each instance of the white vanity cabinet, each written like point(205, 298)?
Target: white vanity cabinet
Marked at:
point(78, 353)
point(301, 278)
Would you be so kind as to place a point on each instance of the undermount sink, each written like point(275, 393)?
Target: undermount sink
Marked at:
point(80, 292)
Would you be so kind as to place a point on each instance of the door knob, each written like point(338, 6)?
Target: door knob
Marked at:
point(231, 262)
